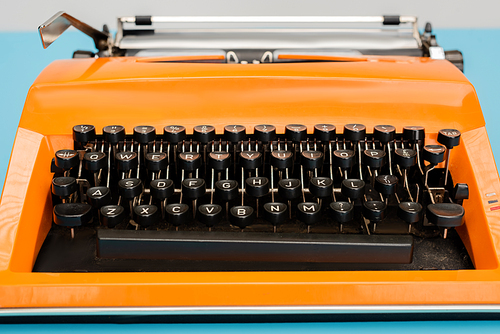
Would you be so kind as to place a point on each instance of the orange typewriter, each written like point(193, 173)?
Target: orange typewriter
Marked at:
point(203, 168)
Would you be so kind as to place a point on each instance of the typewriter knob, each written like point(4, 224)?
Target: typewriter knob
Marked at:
point(264, 132)
point(353, 188)
point(295, 132)
point(324, 132)
point(289, 188)
point(235, 133)
point(162, 188)
point(250, 159)
point(64, 186)
point(410, 212)
point(374, 210)
point(434, 153)
point(354, 132)
point(174, 133)
point(386, 184)
point(445, 214)
point(72, 214)
point(226, 190)
point(94, 161)
point(308, 213)
point(193, 188)
point(144, 134)
point(189, 161)
point(210, 214)
point(67, 159)
point(219, 160)
point(113, 134)
point(130, 188)
point(126, 161)
point(384, 133)
point(156, 161)
point(177, 214)
point(204, 133)
point(343, 158)
point(83, 133)
point(321, 187)
point(405, 157)
point(275, 213)
point(312, 159)
point(374, 158)
point(112, 215)
point(460, 192)
point(414, 133)
point(98, 196)
point(449, 138)
point(146, 215)
point(241, 216)
point(282, 159)
point(257, 186)
point(342, 211)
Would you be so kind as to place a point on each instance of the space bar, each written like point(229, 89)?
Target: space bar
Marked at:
point(254, 247)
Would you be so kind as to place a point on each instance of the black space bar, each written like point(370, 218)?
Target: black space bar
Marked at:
point(254, 247)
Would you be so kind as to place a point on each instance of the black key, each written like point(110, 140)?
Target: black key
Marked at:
point(449, 138)
point(226, 190)
point(54, 169)
point(354, 132)
point(321, 186)
point(98, 196)
point(405, 157)
point(257, 186)
point(414, 133)
point(193, 188)
point(445, 214)
point(174, 133)
point(72, 214)
point(161, 189)
point(156, 161)
point(67, 159)
point(204, 133)
point(308, 213)
point(83, 133)
point(241, 216)
point(189, 161)
point(264, 132)
point(235, 133)
point(210, 214)
point(113, 134)
point(343, 158)
point(146, 215)
point(410, 212)
point(386, 184)
point(250, 159)
point(177, 214)
point(342, 211)
point(112, 215)
point(219, 160)
point(460, 192)
point(275, 213)
point(312, 159)
point(324, 132)
point(282, 159)
point(296, 132)
point(374, 158)
point(126, 161)
point(144, 134)
point(64, 186)
point(434, 153)
point(353, 188)
point(384, 133)
point(130, 188)
point(374, 210)
point(94, 161)
point(289, 188)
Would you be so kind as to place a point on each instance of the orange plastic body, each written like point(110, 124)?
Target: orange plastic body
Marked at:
point(380, 90)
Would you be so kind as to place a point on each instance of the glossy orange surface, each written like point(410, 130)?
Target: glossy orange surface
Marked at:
point(396, 90)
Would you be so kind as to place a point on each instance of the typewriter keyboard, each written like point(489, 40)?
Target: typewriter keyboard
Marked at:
point(305, 199)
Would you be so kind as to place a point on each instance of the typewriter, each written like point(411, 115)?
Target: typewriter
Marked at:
point(221, 168)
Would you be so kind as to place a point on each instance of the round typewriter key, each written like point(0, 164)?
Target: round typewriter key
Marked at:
point(312, 159)
point(449, 137)
point(156, 161)
point(67, 159)
point(282, 159)
point(374, 158)
point(241, 216)
point(414, 133)
point(189, 161)
point(264, 132)
point(460, 192)
point(193, 188)
point(219, 160)
point(296, 132)
point(257, 186)
point(72, 214)
point(343, 158)
point(161, 189)
point(113, 134)
point(126, 160)
point(204, 133)
point(112, 215)
point(83, 133)
point(374, 210)
point(384, 133)
point(144, 134)
point(353, 188)
point(275, 213)
point(434, 153)
point(354, 132)
point(98, 196)
point(64, 186)
point(289, 188)
point(386, 184)
point(405, 157)
point(250, 159)
point(308, 213)
point(325, 132)
point(321, 186)
point(94, 161)
point(146, 215)
point(210, 214)
point(235, 133)
point(342, 211)
point(177, 214)
point(130, 188)
point(445, 214)
point(174, 133)
point(226, 190)
point(410, 212)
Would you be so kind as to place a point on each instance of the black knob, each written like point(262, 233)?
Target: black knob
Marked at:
point(83, 133)
point(235, 133)
point(210, 214)
point(289, 188)
point(193, 188)
point(126, 161)
point(161, 189)
point(67, 159)
point(219, 160)
point(146, 215)
point(94, 161)
point(296, 132)
point(384, 133)
point(342, 211)
point(405, 157)
point(354, 132)
point(386, 184)
point(353, 188)
point(177, 214)
point(414, 133)
point(449, 138)
point(226, 190)
point(144, 134)
point(250, 159)
point(174, 133)
point(64, 186)
point(275, 213)
point(343, 158)
point(445, 214)
point(374, 158)
point(113, 134)
point(309, 213)
point(410, 212)
point(282, 159)
point(324, 132)
point(257, 186)
point(321, 186)
point(312, 159)
point(112, 215)
point(460, 192)
point(434, 153)
point(72, 214)
point(241, 216)
point(156, 161)
point(204, 133)
point(130, 188)
point(374, 210)
point(264, 132)
point(98, 196)
point(189, 161)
